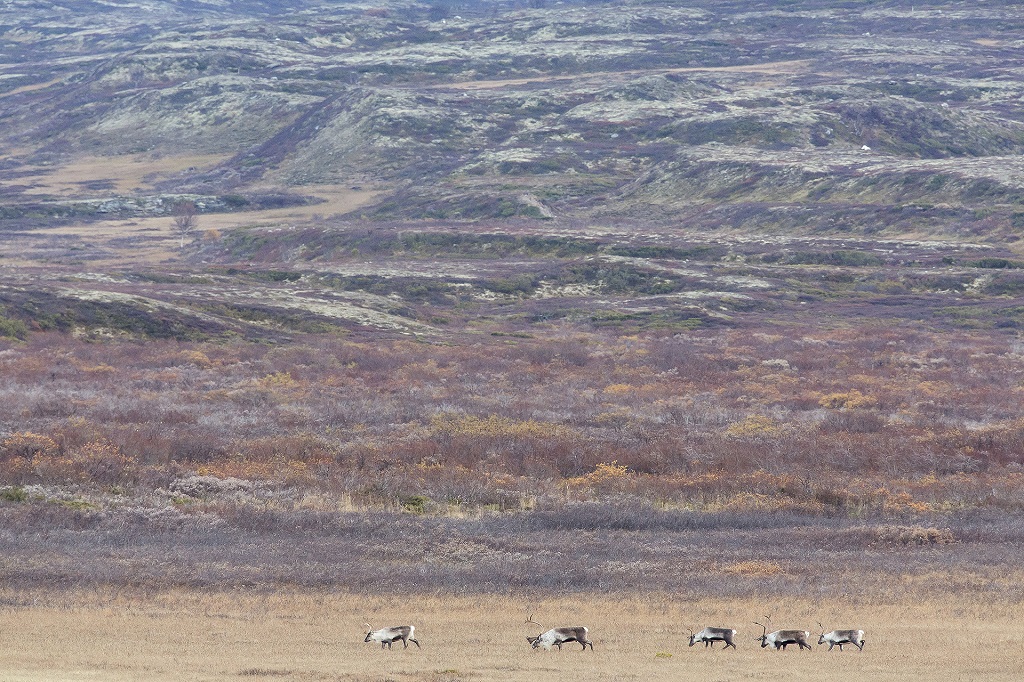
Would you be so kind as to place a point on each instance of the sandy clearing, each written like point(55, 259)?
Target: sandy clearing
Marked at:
point(136, 172)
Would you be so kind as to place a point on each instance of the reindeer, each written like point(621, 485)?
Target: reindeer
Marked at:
point(388, 635)
point(559, 636)
point(841, 637)
point(711, 635)
point(780, 639)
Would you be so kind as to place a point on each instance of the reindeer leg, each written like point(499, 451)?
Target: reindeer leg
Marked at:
point(414, 642)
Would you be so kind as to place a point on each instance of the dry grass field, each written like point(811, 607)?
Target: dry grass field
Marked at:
point(231, 636)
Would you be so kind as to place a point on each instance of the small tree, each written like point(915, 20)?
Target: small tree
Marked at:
point(185, 220)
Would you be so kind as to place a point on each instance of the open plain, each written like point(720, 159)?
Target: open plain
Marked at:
point(239, 636)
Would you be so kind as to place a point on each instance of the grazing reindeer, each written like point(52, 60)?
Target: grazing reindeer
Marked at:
point(559, 636)
point(711, 635)
point(780, 639)
point(841, 637)
point(388, 635)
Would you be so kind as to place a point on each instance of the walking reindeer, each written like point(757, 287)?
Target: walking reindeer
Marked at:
point(841, 637)
point(387, 636)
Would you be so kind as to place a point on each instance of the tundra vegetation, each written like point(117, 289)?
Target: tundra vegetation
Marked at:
point(710, 299)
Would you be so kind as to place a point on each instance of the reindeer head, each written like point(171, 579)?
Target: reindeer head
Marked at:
point(821, 637)
point(369, 632)
point(693, 638)
point(534, 641)
point(763, 638)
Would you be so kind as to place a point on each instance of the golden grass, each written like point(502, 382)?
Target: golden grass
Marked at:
point(129, 173)
point(189, 636)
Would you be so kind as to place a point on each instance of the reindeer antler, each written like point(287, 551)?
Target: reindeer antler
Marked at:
point(531, 620)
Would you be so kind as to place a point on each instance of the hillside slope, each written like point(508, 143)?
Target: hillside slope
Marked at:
point(830, 113)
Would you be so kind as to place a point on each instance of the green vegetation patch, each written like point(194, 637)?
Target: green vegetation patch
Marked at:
point(171, 278)
point(278, 318)
point(461, 206)
point(12, 328)
point(44, 311)
point(699, 252)
point(416, 289)
point(14, 494)
point(1005, 284)
point(996, 264)
point(685, 319)
point(417, 504)
point(524, 284)
point(840, 257)
point(983, 317)
point(752, 130)
point(320, 244)
point(494, 245)
point(269, 275)
point(620, 278)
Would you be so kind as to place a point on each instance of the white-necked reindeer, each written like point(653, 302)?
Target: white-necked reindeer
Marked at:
point(711, 635)
point(780, 639)
point(386, 636)
point(841, 637)
point(559, 636)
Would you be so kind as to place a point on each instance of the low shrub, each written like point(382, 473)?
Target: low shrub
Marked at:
point(902, 536)
point(14, 494)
